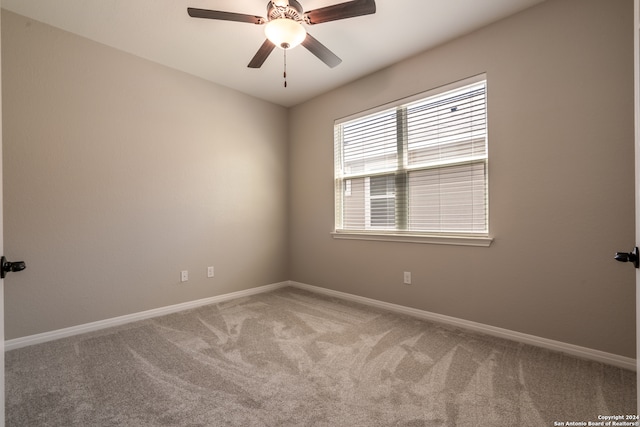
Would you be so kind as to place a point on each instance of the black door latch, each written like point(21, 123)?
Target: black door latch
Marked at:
point(632, 256)
point(6, 266)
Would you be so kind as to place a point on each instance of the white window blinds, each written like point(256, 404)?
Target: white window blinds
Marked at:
point(417, 167)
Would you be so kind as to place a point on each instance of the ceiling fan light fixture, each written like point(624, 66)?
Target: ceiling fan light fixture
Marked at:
point(285, 33)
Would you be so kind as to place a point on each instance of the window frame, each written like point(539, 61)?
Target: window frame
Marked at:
point(399, 235)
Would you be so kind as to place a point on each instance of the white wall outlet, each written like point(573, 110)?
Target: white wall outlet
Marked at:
point(184, 275)
point(407, 277)
point(210, 272)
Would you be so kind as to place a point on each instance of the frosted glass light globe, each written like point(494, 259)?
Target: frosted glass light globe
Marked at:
point(285, 33)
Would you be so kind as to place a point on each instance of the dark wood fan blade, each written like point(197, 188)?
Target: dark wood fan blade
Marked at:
point(262, 54)
point(346, 10)
point(321, 51)
point(225, 16)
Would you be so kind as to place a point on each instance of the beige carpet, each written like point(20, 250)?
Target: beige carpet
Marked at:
point(293, 358)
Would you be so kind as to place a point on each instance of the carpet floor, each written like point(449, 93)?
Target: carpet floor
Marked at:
point(295, 358)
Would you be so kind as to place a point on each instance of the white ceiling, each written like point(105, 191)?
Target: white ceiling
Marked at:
point(219, 51)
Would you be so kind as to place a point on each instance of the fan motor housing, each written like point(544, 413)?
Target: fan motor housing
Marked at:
point(292, 11)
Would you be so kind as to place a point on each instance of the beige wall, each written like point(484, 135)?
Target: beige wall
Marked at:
point(119, 173)
point(561, 181)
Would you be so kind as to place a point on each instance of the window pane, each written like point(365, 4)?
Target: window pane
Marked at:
point(370, 204)
point(448, 127)
point(353, 210)
point(370, 144)
point(448, 199)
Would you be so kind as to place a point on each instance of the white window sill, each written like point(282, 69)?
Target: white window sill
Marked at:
point(481, 241)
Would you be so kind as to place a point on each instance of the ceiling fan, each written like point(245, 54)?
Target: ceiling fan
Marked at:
point(284, 25)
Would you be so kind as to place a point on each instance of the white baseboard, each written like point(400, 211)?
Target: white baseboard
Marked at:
point(574, 350)
point(121, 320)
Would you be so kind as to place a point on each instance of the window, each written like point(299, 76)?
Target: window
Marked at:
point(415, 168)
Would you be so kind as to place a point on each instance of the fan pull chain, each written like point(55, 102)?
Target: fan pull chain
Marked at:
point(285, 68)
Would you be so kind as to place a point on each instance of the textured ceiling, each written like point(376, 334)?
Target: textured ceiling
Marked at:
point(219, 51)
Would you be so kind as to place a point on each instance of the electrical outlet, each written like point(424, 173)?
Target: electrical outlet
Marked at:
point(210, 272)
point(407, 277)
point(184, 275)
